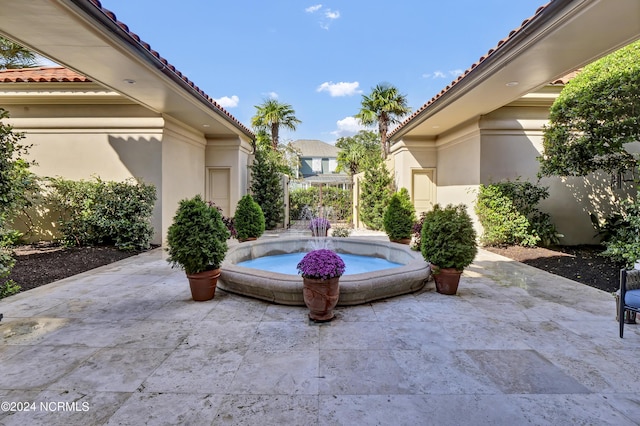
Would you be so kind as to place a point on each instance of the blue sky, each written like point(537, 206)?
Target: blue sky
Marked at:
point(320, 57)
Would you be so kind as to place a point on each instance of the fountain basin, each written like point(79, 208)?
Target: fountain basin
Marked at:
point(355, 289)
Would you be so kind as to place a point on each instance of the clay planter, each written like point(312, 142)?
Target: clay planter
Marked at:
point(203, 284)
point(321, 296)
point(247, 239)
point(447, 280)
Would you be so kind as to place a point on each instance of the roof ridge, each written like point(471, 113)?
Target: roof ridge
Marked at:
point(112, 16)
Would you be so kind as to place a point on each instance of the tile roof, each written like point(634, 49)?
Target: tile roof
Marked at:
point(315, 148)
point(134, 38)
point(463, 75)
point(41, 75)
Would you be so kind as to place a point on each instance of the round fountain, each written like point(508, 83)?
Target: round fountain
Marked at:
point(286, 288)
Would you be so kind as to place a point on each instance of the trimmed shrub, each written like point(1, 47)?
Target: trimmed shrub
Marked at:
point(376, 191)
point(509, 214)
point(249, 219)
point(197, 238)
point(448, 237)
point(266, 187)
point(98, 212)
point(622, 239)
point(399, 216)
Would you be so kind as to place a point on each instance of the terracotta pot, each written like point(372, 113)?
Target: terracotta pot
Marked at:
point(321, 296)
point(320, 234)
point(447, 280)
point(247, 239)
point(203, 284)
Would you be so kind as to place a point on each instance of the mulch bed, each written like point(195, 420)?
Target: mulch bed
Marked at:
point(43, 263)
point(583, 264)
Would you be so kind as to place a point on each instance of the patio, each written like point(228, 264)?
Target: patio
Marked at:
point(124, 344)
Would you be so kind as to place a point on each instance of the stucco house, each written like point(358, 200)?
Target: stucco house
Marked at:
point(123, 112)
point(487, 125)
point(136, 115)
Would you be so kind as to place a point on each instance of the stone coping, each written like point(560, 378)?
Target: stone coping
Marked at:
point(355, 289)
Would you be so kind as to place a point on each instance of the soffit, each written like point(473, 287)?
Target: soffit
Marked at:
point(81, 36)
point(563, 36)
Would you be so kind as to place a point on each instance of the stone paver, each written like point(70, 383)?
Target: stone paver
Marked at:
point(125, 344)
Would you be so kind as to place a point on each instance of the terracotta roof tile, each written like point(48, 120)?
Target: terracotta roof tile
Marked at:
point(41, 75)
point(136, 39)
point(473, 66)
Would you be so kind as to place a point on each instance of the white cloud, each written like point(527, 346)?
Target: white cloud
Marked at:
point(312, 9)
point(272, 95)
point(339, 89)
point(228, 102)
point(329, 14)
point(348, 126)
point(456, 73)
point(442, 74)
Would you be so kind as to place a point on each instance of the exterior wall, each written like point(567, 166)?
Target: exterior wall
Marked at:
point(458, 167)
point(235, 155)
point(113, 142)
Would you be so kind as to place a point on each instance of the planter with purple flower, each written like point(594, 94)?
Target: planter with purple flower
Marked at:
point(319, 226)
point(321, 271)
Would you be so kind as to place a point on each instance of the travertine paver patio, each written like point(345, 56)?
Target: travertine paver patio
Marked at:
point(124, 344)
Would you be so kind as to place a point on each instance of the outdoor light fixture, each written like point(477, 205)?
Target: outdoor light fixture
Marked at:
point(512, 84)
point(129, 81)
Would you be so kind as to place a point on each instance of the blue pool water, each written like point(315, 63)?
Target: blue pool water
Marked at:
point(286, 263)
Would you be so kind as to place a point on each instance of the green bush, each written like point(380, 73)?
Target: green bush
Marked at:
point(375, 194)
point(197, 238)
point(98, 212)
point(341, 232)
point(249, 219)
point(266, 186)
point(509, 215)
point(622, 239)
point(448, 237)
point(337, 202)
point(399, 216)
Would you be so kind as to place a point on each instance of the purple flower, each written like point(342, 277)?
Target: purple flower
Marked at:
point(321, 264)
point(319, 223)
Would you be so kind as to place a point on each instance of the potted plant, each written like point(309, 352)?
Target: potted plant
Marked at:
point(197, 243)
point(321, 271)
point(319, 226)
point(449, 244)
point(249, 219)
point(399, 217)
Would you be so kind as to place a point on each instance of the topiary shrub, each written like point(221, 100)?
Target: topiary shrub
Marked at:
point(509, 215)
point(375, 194)
point(448, 237)
point(399, 216)
point(197, 238)
point(266, 187)
point(249, 220)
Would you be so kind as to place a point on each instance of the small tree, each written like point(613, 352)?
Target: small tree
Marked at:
point(376, 191)
point(249, 219)
point(266, 187)
point(399, 216)
point(595, 116)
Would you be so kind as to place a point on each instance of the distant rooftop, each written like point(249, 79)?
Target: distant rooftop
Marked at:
point(315, 148)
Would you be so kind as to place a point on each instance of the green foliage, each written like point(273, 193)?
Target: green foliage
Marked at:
point(376, 192)
point(448, 237)
point(509, 214)
point(383, 106)
point(15, 182)
point(622, 237)
point(399, 216)
point(14, 56)
point(197, 238)
point(337, 202)
point(266, 187)
point(271, 115)
point(249, 219)
point(99, 212)
point(341, 232)
point(596, 114)
point(358, 152)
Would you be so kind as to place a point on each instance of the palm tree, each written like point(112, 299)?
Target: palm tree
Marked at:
point(270, 115)
point(357, 151)
point(14, 56)
point(384, 106)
